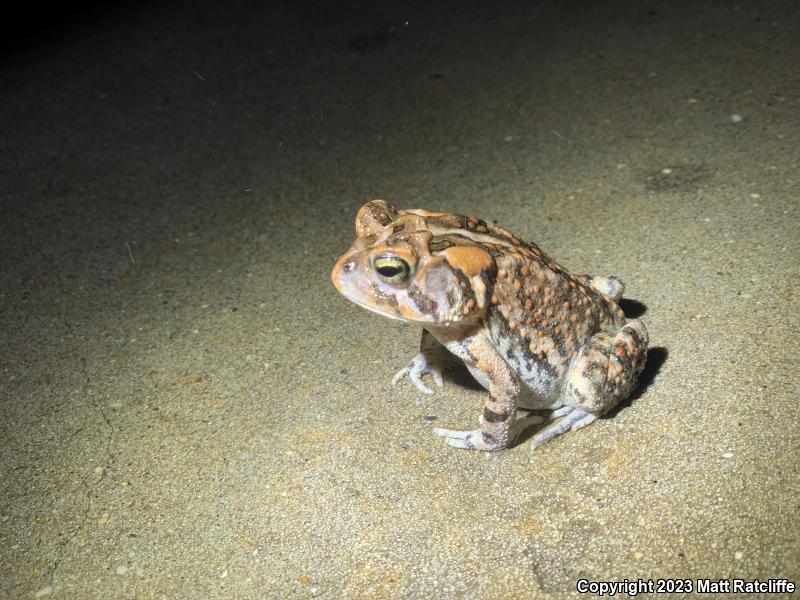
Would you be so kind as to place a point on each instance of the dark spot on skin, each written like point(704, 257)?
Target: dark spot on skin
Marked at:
point(463, 280)
point(451, 297)
point(490, 416)
point(637, 341)
point(424, 304)
point(488, 437)
point(389, 299)
point(591, 369)
point(470, 354)
point(580, 396)
point(439, 244)
point(398, 227)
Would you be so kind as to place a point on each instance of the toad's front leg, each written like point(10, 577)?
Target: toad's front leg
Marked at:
point(497, 429)
point(429, 359)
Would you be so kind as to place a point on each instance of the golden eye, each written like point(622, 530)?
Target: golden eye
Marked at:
point(391, 268)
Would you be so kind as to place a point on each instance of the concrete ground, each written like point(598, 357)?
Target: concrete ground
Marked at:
point(188, 409)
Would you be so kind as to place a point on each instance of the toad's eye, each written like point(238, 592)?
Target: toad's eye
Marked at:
point(391, 269)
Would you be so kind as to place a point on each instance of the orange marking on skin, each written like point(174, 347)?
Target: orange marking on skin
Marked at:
point(406, 311)
point(471, 303)
point(470, 260)
point(620, 351)
point(517, 284)
point(528, 304)
point(525, 270)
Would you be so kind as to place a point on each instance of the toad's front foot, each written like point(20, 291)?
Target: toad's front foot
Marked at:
point(471, 440)
point(420, 365)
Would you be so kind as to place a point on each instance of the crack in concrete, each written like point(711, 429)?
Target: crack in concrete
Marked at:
point(92, 486)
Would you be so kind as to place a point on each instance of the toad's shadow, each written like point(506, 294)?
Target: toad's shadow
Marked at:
point(633, 309)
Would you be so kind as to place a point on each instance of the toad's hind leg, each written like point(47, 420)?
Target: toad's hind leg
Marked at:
point(605, 372)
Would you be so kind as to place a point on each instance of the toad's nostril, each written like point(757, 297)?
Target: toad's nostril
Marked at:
point(348, 266)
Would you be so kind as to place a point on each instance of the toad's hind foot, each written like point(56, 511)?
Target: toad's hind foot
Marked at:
point(574, 419)
point(470, 440)
point(476, 440)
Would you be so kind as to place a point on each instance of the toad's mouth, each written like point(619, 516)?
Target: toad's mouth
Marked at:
point(382, 312)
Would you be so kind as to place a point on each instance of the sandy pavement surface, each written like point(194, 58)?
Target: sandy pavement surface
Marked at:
point(188, 409)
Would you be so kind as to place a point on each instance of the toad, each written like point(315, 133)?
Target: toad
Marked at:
point(534, 335)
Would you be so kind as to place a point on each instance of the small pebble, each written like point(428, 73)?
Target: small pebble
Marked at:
point(727, 455)
point(738, 555)
point(666, 171)
point(45, 591)
point(244, 455)
point(122, 570)
point(430, 417)
point(736, 118)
